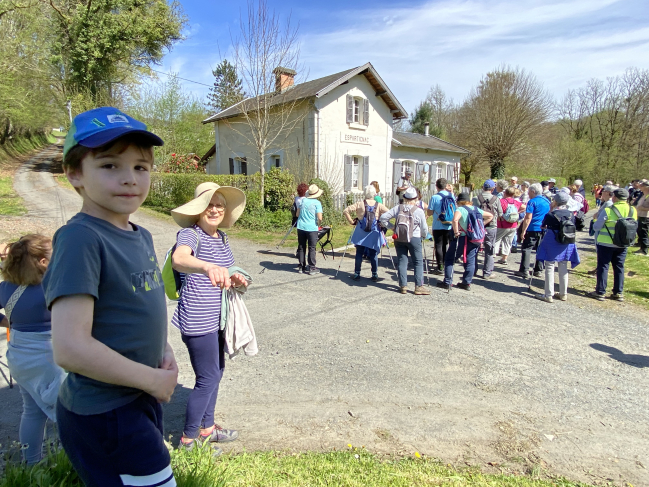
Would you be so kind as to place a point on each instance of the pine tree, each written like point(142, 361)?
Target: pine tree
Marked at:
point(227, 89)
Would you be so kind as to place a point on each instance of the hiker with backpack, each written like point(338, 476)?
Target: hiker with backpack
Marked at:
point(507, 224)
point(558, 247)
point(302, 188)
point(531, 232)
point(643, 221)
point(615, 230)
point(367, 236)
point(309, 218)
point(469, 231)
point(489, 202)
point(442, 208)
point(403, 184)
point(203, 258)
point(410, 228)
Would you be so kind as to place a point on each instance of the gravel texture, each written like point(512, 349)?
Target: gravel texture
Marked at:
point(489, 377)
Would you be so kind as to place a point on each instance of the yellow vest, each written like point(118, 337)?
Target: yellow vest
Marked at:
point(611, 218)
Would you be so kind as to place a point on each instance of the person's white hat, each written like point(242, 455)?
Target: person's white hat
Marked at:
point(513, 178)
point(235, 202)
point(314, 191)
point(579, 182)
point(410, 193)
point(552, 180)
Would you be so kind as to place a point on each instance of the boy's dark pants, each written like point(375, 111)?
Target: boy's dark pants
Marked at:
point(606, 256)
point(121, 446)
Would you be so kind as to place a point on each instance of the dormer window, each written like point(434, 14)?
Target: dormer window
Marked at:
point(358, 110)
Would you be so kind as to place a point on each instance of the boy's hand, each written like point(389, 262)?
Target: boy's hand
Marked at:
point(169, 359)
point(238, 280)
point(164, 383)
point(218, 275)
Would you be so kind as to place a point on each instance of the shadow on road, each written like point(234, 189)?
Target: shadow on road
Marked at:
point(639, 361)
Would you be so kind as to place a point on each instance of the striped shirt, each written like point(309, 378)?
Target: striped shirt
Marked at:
point(199, 307)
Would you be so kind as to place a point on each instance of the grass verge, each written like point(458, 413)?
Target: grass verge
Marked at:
point(10, 203)
point(352, 468)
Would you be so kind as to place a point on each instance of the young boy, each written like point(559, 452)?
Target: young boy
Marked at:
point(109, 316)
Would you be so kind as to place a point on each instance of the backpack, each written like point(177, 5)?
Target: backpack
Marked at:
point(625, 229)
point(293, 213)
point(448, 208)
point(488, 206)
point(404, 224)
point(368, 222)
point(567, 231)
point(511, 213)
point(580, 220)
point(171, 277)
point(475, 231)
point(586, 207)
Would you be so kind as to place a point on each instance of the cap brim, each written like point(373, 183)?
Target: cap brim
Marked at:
point(107, 136)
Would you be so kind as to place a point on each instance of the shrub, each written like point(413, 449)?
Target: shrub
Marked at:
point(258, 218)
point(182, 164)
point(330, 216)
point(279, 185)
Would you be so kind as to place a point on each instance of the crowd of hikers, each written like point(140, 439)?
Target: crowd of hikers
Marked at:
point(87, 311)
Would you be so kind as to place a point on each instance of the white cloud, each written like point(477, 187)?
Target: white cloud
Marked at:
point(454, 43)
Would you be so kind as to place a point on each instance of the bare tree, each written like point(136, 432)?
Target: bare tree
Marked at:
point(501, 112)
point(266, 55)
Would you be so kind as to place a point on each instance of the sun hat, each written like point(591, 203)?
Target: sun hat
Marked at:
point(489, 184)
point(462, 197)
point(578, 182)
point(100, 126)
point(561, 198)
point(314, 191)
point(513, 178)
point(621, 193)
point(410, 193)
point(552, 180)
point(644, 182)
point(235, 202)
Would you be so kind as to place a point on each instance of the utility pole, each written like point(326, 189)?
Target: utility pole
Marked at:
point(68, 105)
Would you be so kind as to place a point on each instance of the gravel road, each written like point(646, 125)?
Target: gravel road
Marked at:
point(490, 377)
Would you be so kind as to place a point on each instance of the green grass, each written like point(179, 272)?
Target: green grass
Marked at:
point(58, 133)
point(351, 468)
point(23, 145)
point(10, 203)
point(62, 180)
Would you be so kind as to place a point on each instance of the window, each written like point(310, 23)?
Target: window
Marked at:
point(357, 168)
point(274, 161)
point(357, 110)
point(440, 173)
point(238, 165)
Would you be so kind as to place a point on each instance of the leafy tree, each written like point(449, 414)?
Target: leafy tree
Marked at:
point(227, 89)
point(424, 114)
point(437, 110)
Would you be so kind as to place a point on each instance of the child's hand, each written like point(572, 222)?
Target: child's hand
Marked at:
point(164, 383)
point(169, 359)
point(238, 280)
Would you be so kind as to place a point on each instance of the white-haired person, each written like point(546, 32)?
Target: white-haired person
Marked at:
point(580, 187)
point(553, 252)
point(367, 236)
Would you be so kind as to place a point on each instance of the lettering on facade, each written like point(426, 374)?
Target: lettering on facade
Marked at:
point(355, 139)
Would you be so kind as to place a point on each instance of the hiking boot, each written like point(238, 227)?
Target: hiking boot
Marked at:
point(617, 297)
point(464, 285)
point(543, 297)
point(375, 277)
point(443, 285)
point(421, 291)
point(356, 276)
point(501, 262)
point(220, 435)
point(514, 250)
point(538, 274)
point(523, 274)
point(641, 252)
point(216, 451)
point(561, 297)
point(403, 290)
point(302, 270)
point(313, 271)
point(437, 272)
point(487, 276)
point(596, 295)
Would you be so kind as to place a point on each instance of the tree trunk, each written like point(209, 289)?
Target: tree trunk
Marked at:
point(497, 169)
point(262, 172)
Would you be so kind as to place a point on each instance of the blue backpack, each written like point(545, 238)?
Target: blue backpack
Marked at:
point(448, 208)
point(368, 222)
point(475, 231)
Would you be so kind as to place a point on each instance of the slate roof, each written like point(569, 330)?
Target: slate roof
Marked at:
point(319, 87)
point(419, 141)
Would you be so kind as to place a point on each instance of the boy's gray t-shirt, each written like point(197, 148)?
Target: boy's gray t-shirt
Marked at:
point(120, 270)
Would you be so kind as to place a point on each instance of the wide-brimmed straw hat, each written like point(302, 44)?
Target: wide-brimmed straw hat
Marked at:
point(314, 191)
point(235, 202)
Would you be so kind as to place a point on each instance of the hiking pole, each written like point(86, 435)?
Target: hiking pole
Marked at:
point(390, 254)
point(344, 252)
point(426, 265)
point(285, 236)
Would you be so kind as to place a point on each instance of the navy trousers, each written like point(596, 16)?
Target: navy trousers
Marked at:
point(605, 257)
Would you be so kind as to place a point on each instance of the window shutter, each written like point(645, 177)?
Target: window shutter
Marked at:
point(366, 171)
point(348, 172)
point(449, 173)
point(366, 111)
point(433, 178)
point(396, 175)
point(419, 171)
point(244, 166)
point(350, 109)
point(231, 166)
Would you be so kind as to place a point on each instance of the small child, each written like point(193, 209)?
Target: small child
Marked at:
point(109, 315)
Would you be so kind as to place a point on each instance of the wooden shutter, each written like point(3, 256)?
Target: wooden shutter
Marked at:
point(419, 171)
point(433, 178)
point(366, 171)
point(366, 111)
point(396, 175)
point(350, 108)
point(231, 166)
point(244, 166)
point(348, 172)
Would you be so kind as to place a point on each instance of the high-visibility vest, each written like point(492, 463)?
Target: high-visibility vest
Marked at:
point(611, 218)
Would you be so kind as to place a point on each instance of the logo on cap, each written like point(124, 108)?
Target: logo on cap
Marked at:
point(117, 118)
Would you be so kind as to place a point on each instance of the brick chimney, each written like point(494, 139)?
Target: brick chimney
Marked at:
point(284, 78)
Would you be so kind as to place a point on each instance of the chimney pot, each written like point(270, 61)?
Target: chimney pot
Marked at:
point(284, 78)
point(426, 129)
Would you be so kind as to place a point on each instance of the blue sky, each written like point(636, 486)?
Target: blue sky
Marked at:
point(415, 44)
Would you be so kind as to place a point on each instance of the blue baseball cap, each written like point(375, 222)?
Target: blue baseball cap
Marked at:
point(489, 184)
point(100, 126)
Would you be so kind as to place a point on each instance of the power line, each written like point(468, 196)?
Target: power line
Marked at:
point(184, 79)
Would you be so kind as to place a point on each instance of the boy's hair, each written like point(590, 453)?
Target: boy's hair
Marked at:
point(75, 155)
point(441, 183)
point(21, 264)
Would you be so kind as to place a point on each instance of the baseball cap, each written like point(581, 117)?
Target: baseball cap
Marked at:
point(561, 198)
point(489, 184)
point(621, 193)
point(552, 180)
point(100, 126)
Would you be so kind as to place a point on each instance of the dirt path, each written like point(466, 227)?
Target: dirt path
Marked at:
point(490, 377)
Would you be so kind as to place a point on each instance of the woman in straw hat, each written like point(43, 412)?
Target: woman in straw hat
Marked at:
point(309, 217)
point(203, 256)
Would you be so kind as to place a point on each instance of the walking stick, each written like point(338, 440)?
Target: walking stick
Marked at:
point(344, 252)
point(390, 254)
point(425, 264)
point(285, 236)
